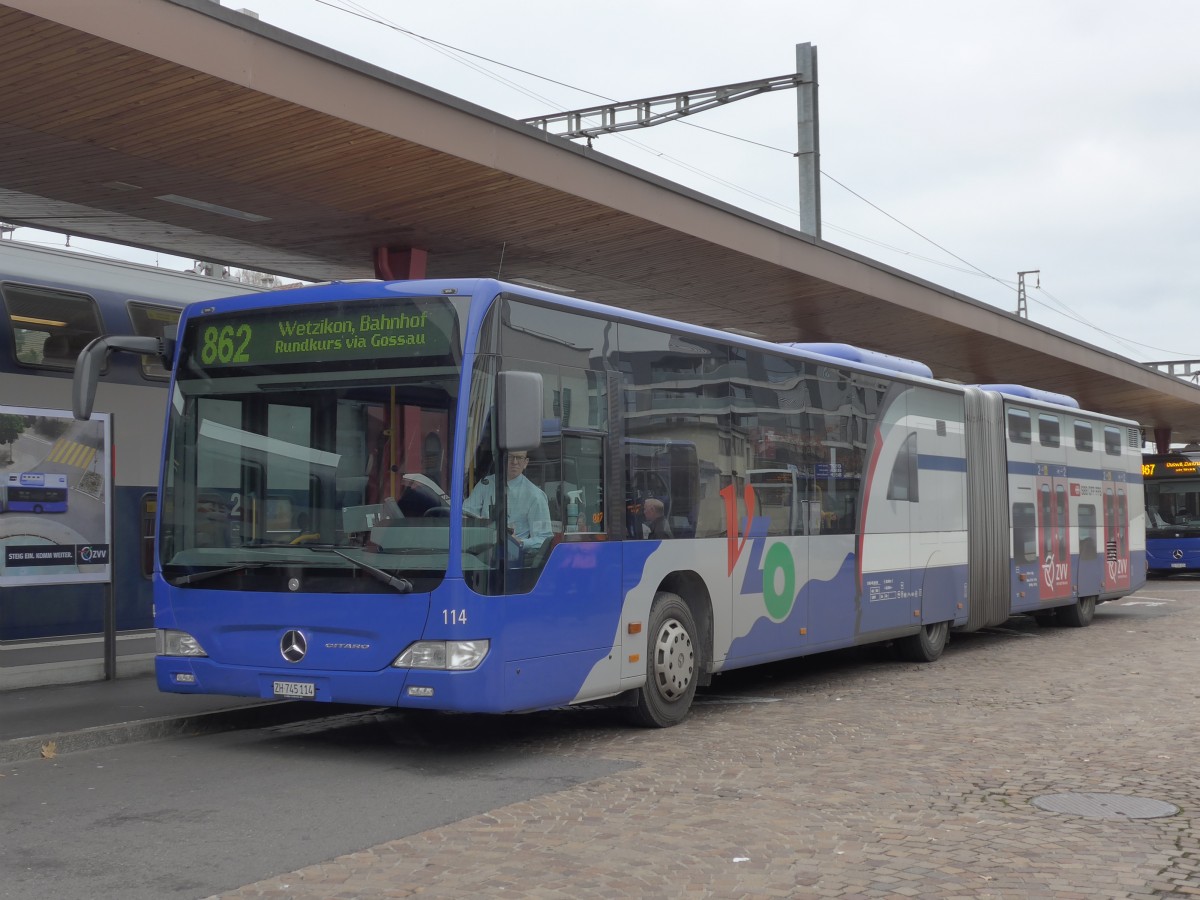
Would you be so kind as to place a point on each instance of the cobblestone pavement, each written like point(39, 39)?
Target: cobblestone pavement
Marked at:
point(866, 777)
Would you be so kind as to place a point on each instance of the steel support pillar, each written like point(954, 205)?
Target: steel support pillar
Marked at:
point(808, 143)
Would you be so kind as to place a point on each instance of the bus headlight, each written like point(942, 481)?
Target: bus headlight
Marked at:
point(176, 643)
point(455, 655)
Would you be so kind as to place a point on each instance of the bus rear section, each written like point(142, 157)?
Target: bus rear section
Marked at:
point(1075, 508)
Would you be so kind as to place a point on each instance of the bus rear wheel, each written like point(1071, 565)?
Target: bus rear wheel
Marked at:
point(927, 644)
point(672, 664)
point(1079, 614)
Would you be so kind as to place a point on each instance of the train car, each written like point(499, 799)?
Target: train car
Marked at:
point(52, 303)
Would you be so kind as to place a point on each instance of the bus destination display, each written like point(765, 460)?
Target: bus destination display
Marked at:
point(1166, 467)
point(326, 334)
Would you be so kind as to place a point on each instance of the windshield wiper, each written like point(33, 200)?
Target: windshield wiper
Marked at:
point(213, 573)
point(403, 585)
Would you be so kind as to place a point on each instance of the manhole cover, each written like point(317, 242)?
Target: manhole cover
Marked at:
point(1105, 806)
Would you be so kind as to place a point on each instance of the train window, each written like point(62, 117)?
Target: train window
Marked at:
point(49, 327)
point(1020, 426)
point(153, 321)
point(1112, 440)
point(149, 507)
point(1049, 430)
point(1083, 436)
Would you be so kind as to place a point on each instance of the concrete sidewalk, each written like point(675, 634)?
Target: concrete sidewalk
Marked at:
point(74, 717)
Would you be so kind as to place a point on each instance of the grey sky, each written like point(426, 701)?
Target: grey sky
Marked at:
point(1058, 135)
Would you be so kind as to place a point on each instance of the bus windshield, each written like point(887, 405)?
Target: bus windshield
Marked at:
point(1172, 503)
point(297, 460)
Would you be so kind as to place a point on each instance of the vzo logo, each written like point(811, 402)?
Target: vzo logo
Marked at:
point(776, 579)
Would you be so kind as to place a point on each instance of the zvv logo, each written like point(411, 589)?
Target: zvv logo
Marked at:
point(91, 554)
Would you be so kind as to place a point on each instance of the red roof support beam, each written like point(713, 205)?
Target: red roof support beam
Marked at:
point(400, 263)
point(1162, 440)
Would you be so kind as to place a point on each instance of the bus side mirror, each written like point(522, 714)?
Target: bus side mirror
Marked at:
point(519, 405)
point(91, 361)
point(167, 347)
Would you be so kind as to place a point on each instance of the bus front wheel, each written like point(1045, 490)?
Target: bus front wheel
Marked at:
point(37, 508)
point(672, 664)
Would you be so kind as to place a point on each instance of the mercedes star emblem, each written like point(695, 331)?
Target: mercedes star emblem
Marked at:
point(293, 646)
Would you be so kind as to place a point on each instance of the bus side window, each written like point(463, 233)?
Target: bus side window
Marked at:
point(1083, 436)
point(1024, 519)
point(1087, 531)
point(903, 483)
point(1020, 426)
point(1049, 431)
point(1112, 440)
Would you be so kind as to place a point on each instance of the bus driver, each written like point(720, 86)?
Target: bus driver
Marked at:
point(528, 509)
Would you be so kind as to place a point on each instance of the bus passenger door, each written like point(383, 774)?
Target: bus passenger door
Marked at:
point(1090, 567)
point(1054, 582)
point(1116, 536)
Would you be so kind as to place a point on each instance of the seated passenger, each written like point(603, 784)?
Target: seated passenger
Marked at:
point(656, 520)
point(528, 509)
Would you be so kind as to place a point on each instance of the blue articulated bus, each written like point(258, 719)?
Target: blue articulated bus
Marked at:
point(52, 303)
point(351, 509)
point(1172, 484)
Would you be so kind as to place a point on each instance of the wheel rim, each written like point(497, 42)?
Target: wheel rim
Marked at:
point(674, 660)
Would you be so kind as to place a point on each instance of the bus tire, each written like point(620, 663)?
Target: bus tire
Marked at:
point(672, 664)
point(1079, 614)
point(927, 644)
point(37, 508)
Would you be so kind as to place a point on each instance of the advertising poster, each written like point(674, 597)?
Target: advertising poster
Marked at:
point(55, 496)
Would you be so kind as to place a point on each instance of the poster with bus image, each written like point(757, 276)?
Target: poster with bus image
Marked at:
point(55, 497)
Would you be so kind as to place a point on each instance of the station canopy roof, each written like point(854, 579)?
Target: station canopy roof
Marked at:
point(192, 129)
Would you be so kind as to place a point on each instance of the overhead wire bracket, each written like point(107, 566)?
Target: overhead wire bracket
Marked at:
point(655, 110)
